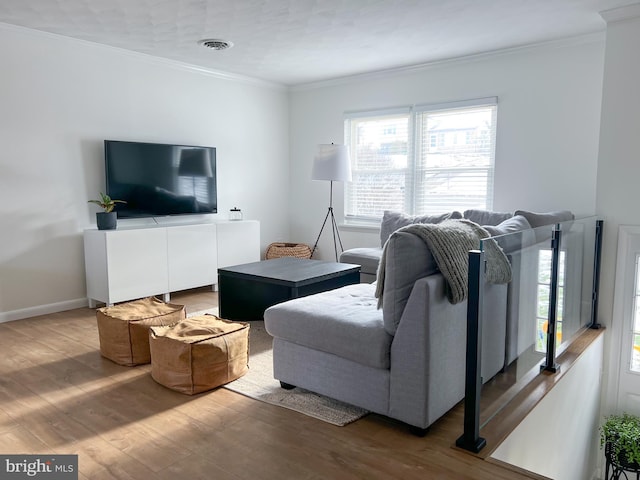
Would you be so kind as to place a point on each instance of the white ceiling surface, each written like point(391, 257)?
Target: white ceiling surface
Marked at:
point(300, 41)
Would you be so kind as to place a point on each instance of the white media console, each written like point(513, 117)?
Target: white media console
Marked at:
point(136, 262)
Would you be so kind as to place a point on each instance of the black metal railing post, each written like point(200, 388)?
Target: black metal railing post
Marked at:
point(470, 439)
point(597, 255)
point(550, 362)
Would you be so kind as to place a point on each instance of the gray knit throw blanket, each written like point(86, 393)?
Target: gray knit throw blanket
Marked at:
point(449, 243)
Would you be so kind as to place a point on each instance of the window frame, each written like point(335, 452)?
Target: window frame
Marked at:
point(540, 345)
point(415, 142)
point(634, 365)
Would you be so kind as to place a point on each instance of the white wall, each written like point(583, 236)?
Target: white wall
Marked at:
point(559, 438)
point(618, 164)
point(60, 98)
point(548, 123)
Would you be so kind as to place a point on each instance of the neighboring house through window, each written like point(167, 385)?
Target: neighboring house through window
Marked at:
point(544, 291)
point(635, 347)
point(420, 160)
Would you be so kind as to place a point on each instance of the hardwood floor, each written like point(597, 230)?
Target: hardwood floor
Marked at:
point(58, 395)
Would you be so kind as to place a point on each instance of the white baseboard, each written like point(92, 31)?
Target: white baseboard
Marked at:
point(42, 309)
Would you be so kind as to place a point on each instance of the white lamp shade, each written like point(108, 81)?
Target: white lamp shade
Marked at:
point(332, 163)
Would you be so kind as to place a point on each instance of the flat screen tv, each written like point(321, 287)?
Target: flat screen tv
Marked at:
point(159, 179)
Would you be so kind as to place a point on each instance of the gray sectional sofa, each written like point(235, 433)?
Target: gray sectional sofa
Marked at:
point(405, 360)
point(369, 258)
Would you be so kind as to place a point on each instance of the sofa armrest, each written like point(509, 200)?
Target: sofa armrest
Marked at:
point(428, 352)
point(428, 355)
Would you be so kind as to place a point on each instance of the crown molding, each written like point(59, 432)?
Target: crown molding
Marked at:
point(219, 74)
point(593, 37)
point(620, 14)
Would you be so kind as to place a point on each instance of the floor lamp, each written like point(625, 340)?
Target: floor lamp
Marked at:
point(331, 163)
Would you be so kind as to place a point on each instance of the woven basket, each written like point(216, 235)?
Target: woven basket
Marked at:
point(298, 250)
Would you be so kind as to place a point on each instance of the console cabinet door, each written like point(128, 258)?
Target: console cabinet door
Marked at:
point(126, 264)
point(238, 242)
point(192, 255)
point(136, 263)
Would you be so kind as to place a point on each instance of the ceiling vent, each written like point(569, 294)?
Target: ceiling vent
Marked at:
point(215, 44)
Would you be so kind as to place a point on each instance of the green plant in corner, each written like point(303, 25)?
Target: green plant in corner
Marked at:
point(106, 203)
point(622, 433)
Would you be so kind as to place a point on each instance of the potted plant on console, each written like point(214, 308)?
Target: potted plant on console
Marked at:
point(107, 219)
point(620, 436)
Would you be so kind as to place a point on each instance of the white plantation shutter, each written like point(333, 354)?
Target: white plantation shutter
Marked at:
point(381, 172)
point(426, 160)
point(455, 152)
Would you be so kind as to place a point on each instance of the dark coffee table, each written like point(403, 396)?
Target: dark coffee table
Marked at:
point(246, 291)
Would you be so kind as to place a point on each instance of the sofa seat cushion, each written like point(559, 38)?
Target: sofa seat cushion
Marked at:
point(367, 258)
point(345, 322)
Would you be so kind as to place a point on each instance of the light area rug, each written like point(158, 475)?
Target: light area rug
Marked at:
point(259, 384)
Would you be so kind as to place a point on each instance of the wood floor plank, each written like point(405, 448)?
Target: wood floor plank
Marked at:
point(197, 468)
point(58, 395)
point(125, 428)
point(246, 450)
point(99, 460)
point(20, 440)
point(7, 422)
point(53, 429)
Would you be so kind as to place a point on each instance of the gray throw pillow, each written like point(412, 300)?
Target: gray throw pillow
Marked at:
point(542, 222)
point(516, 223)
point(486, 217)
point(392, 221)
point(549, 218)
point(509, 240)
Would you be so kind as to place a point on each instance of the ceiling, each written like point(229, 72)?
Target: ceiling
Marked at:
point(294, 42)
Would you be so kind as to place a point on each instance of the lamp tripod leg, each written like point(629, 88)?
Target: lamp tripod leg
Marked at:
point(336, 233)
point(326, 217)
point(334, 227)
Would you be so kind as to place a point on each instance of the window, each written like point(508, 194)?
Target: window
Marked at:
point(635, 348)
point(421, 160)
point(542, 304)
